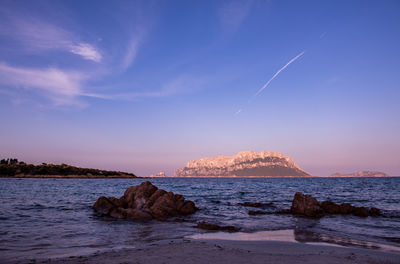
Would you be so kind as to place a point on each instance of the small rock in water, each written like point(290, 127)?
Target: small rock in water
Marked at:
point(214, 227)
point(144, 202)
point(309, 206)
point(258, 204)
point(206, 226)
point(374, 211)
point(250, 204)
point(257, 212)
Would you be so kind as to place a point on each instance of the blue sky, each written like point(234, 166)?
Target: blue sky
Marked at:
point(145, 86)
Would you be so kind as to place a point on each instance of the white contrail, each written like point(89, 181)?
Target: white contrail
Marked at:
point(277, 73)
point(270, 80)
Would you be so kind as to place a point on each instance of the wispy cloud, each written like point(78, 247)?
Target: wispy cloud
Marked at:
point(273, 77)
point(27, 32)
point(87, 51)
point(179, 85)
point(61, 87)
point(233, 13)
point(37, 35)
point(131, 51)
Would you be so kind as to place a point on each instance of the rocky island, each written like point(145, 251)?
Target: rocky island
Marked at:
point(158, 174)
point(243, 164)
point(19, 169)
point(360, 174)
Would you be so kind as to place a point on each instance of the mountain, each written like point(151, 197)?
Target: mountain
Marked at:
point(361, 174)
point(243, 164)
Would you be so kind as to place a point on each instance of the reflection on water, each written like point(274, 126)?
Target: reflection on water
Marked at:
point(278, 235)
point(305, 236)
point(296, 235)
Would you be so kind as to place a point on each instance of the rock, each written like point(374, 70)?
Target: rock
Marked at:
point(164, 206)
point(188, 208)
point(346, 208)
point(250, 204)
point(137, 196)
point(229, 228)
point(330, 207)
point(103, 206)
point(157, 194)
point(118, 202)
point(206, 226)
point(137, 214)
point(306, 205)
point(360, 211)
point(119, 213)
point(374, 211)
point(258, 205)
point(214, 227)
point(129, 195)
point(145, 202)
point(258, 212)
point(309, 206)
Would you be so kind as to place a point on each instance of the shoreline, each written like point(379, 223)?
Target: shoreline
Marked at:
point(227, 251)
point(171, 177)
point(70, 177)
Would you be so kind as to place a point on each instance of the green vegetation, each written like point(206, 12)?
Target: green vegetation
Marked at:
point(14, 168)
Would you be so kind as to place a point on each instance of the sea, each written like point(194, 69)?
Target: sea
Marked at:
point(51, 218)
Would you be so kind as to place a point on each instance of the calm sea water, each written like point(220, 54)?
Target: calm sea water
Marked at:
point(44, 218)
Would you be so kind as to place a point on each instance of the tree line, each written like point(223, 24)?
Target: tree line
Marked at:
point(12, 167)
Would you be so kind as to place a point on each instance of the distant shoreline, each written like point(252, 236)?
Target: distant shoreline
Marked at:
point(169, 177)
point(178, 177)
point(72, 176)
point(309, 176)
point(12, 168)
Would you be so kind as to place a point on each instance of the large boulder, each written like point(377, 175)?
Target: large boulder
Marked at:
point(136, 196)
point(309, 206)
point(145, 202)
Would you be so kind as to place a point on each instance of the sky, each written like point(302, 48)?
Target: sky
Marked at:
point(146, 86)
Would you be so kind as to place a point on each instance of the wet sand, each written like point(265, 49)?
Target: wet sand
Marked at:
point(228, 251)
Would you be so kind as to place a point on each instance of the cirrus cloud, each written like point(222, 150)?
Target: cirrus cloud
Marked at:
point(87, 51)
point(61, 87)
point(233, 13)
point(36, 35)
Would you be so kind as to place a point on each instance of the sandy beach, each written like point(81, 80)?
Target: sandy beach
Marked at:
point(225, 251)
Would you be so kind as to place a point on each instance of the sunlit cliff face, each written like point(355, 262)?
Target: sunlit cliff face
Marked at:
point(247, 163)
